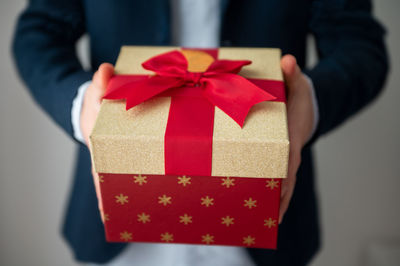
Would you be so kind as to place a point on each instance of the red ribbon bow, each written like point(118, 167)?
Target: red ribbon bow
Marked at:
point(220, 84)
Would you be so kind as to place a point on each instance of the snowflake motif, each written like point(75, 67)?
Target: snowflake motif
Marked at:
point(250, 203)
point(208, 239)
point(106, 217)
point(184, 180)
point(121, 199)
point(101, 178)
point(125, 236)
point(167, 237)
point(186, 219)
point(143, 217)
point(270, 223)
point(207, 201)
point(228, 182)
point(249, 240)
point(139, 179)
point(272, 184)
point(227, 221)
point(164, 200)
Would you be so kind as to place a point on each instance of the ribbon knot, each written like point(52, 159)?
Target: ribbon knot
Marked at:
point(193, 78)
point(221, 85)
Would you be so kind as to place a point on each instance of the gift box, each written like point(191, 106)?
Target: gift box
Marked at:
point(191, 146)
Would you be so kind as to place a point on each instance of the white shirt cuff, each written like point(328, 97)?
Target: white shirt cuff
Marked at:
point(315, 107)
point(76, 111)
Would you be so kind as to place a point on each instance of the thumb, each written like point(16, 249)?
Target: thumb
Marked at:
point(291, 71)
point(102, 76)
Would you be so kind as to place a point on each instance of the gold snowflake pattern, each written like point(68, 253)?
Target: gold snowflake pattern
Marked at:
point(208, 239)
point(143, 217)
point(207, 201)
point(228, 182)
point(140, 179)
point(270, 223)
point(167, 237)
point(250, 203)
point(272, 183)
point(184, 180)
point(101, 178)
point(227, 220)
point(125, 236)
point(249, 240)
point(164, 200)
point(186, 219)
point(121, 199)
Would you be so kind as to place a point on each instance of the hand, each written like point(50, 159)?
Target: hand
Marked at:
point(90, 109)
point(300, 122)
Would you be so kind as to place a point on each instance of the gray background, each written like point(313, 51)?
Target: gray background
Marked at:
point(358, 170)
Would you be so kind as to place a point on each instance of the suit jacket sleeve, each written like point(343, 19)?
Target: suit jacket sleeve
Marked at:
point(45, 55)
point(353, 61)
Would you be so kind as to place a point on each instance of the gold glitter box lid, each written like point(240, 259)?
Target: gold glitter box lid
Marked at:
point(132, 142)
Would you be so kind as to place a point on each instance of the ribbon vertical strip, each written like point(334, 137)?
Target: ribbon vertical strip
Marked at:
point(189, 133)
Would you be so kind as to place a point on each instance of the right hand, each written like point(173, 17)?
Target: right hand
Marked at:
point(90, 109)
point(300, 113)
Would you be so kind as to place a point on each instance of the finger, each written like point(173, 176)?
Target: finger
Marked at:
point(102, 76)
point(97, 187)
point(96, 182)
point(294, 160)
point(291, 71)
point(99, 84)
point(288, 184)
point(283, 208)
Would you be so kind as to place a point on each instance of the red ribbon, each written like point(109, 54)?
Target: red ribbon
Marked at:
point(220, 84)
point(188, 136)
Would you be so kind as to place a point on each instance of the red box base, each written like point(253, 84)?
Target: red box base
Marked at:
point(192, 210)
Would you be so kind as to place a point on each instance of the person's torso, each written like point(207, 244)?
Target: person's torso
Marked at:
point(257, 23)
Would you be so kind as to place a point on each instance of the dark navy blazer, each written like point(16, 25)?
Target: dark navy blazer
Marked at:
point(351, 71)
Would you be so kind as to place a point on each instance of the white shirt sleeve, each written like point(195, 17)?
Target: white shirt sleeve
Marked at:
point(315, 107)
point(76, 111)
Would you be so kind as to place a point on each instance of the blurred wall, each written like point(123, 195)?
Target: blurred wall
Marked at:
point(358, 170)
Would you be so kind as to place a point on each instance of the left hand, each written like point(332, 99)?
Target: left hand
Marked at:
point(300, 122)
point(90, 108)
